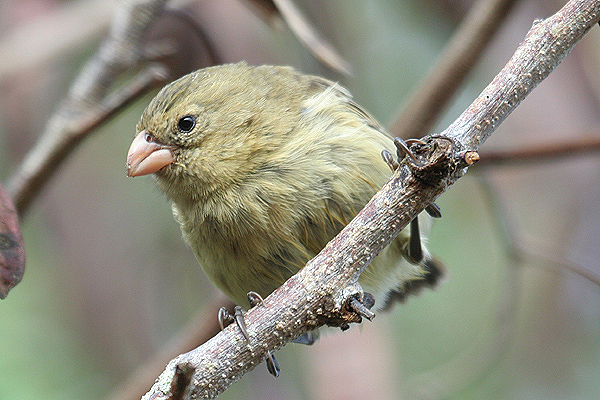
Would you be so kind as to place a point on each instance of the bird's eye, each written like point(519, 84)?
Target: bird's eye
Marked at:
point(148, 138)
point(186, 123)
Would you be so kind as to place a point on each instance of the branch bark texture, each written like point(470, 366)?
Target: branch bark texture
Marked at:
point(319, 293)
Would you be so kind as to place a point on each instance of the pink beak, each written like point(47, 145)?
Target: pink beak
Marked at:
point(147, 156)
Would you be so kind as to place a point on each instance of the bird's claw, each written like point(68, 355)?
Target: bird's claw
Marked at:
point(414, 250)
point(403, 147)
point(255, 299)
point(389, 159)
point(224, 316)
point(272, 364)
point(433, 210)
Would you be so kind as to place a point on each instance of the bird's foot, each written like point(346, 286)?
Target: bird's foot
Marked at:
point(414, 251)
point(403, 148)
point(225, 318)
point(307, 338)
point(389, 159)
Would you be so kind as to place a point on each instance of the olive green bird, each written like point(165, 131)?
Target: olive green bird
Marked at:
point(264, 165)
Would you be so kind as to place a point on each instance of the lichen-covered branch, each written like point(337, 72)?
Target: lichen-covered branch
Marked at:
point(319, 293)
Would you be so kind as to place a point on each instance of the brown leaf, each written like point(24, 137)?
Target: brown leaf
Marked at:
point(12, 252)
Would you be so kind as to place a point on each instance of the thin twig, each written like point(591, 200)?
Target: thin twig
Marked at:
point(188, 19)
point(460, 56)
point(550, 256)
point(311, 39)
point(543, 152)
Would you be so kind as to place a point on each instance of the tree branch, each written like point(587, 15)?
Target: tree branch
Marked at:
point(547, 43)
point(196, 331)
point(319, 293)
point(87, 104)
point(458, 59)
point(543, 152)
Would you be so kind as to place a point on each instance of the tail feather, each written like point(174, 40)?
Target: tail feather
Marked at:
point(433, 272)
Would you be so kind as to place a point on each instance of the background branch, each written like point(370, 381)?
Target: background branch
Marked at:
point(318, 293)
point(547, 43)
point(86, 105)
point(460, 55)
point(196, 331)
point(543, 152)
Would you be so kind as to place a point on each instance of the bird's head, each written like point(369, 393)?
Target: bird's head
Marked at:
point(210, 129)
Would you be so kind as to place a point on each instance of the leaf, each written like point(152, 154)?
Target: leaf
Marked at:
point(12, 252)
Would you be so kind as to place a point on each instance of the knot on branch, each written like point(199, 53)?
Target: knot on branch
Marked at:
point(439, 160)
point(331, 315)
point(181, 379)
point(355, 306)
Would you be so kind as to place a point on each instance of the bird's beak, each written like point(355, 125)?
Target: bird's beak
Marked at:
point(147, 156)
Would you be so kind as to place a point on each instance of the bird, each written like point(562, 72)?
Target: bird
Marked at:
point(264, 165)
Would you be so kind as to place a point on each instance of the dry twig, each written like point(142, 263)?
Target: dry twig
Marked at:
point(543, 152)
point(304, 31)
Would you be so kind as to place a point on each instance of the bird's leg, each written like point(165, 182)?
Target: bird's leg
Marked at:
point(237, 317)
point(254, 299)
point(415, 248)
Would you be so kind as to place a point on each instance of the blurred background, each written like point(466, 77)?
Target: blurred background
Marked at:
point(109, 281)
